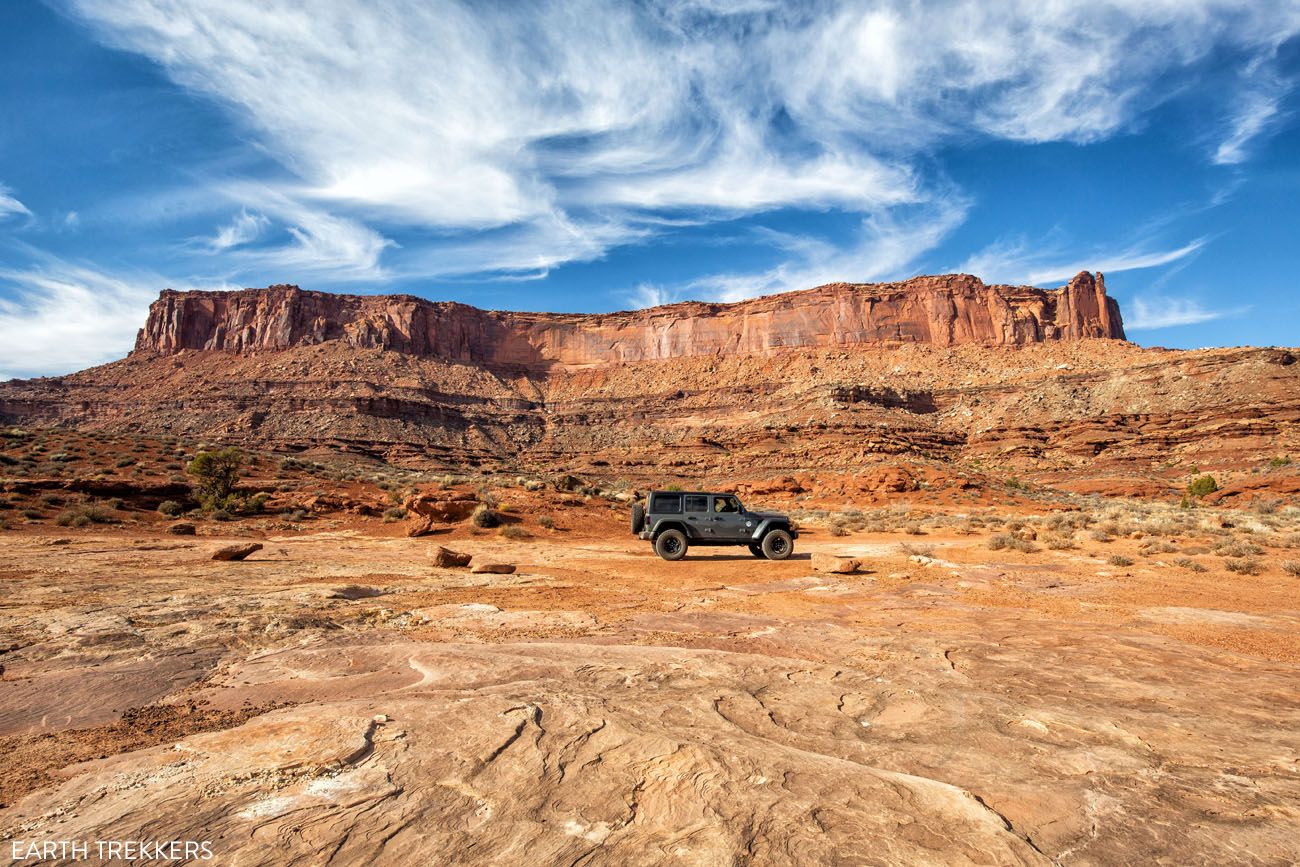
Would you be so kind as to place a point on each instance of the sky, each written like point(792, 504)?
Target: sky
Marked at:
point(586, 157)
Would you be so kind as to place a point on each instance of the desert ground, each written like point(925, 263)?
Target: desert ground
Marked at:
point(1017, 677)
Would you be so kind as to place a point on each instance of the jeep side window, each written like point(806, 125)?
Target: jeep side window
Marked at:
point(666, 504)
point(725, 504)
point(697, 503)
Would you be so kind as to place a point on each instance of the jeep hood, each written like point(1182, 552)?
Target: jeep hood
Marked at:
point(765, 516)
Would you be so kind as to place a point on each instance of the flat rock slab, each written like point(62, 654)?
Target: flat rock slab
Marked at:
point(493, 569)
point(236, 552)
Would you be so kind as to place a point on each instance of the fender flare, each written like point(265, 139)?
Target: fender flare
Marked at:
point(768, 524)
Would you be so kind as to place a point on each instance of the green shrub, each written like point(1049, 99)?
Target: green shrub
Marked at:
point(484, 517)
point(1280, 461)
point(125, 462)
point(170, 508)
point(1202, 485)
point(221, 515)
point(215, 475)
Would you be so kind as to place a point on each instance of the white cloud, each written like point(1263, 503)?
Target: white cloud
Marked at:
point(458, 117)
point(9, 205)
point(1019, 262)
point(244, 228)
point(881, 250)
point(1146, 313)
point(60, 317)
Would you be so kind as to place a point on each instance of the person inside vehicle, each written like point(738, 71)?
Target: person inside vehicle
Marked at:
point(725, 504)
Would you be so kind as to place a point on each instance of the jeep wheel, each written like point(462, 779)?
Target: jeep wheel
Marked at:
point(671, 545)
point(638, 517)
point(777, 545)
point(756, 550)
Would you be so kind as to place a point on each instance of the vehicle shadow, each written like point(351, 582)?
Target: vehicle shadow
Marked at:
point(743, 557)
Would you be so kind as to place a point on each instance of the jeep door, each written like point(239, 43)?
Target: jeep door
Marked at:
point(726, 519)
point(696, 507)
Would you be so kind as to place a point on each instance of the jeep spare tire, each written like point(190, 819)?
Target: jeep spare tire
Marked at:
point(671, 545)
point(777, 545)
point(638, 517)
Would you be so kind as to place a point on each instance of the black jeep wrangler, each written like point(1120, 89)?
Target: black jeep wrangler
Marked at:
point(675, 520)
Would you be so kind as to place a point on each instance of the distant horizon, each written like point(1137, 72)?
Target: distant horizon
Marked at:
point(597, 158)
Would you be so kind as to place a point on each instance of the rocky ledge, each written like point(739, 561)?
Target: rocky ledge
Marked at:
point(947, 310)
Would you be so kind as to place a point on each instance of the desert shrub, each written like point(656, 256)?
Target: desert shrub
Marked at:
point(1243, 566)
point(7, 460)
point(917, 550)
point(673, 487)
point(546, 522)
point(1190, 564)
point(396, 513)
point(1279, 461)
point(114, 503)
point(1061, 543)
point(1265, 505)
point(170, 508)
point(61, 457)
point(513, 531)
point(125, 462)
point(215, 475)
point(297, 515)
point(1100, 535)
point(484, 517)
point(913, 528)
point(81, 516)
point(1015, 543)
point(488, 499)
point(1202, 485)
point(52, 500)
point(838, 530)
point(32, 514)
point(221, 515)
point(1238, 549)
point(1291, 567)
point(1119, 560)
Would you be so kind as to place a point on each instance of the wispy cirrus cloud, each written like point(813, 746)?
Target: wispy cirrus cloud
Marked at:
point(1019, 261)
point(590, 116)
point(1145, 313)
point(58, 316)
point(242, 229)
point(9, 205)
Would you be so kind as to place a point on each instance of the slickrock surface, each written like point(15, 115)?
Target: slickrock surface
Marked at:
point(600, 706)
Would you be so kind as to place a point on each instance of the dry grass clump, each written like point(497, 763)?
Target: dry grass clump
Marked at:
point(546, 522)
point(513, 531)
point(1291, 567)
point(1100, 535)
point(1238, 549)
point(1004, 541)
point(1119, 560)
point(1191, 565)
point(1243, 566)
point(1152, 547)
point(916, 550)
point(1061, 543)
point(83, 516)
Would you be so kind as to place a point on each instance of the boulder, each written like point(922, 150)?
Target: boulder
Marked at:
point(493, 569)
point(352, 592)
point(445, 507)
point(237, 552)
point(445, 558)
point(835, 564)
point(182, 528)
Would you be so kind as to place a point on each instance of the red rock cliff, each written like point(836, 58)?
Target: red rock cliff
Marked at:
point(946, 310)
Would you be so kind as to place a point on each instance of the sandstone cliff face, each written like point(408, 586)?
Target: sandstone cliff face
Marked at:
point(945, 311)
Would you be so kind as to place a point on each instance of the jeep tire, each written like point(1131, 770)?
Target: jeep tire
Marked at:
point(671, 545)
point(638, 518)
point(777, 545)
point(757, 551)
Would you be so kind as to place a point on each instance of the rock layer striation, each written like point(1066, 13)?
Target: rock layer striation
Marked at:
point(949, 310)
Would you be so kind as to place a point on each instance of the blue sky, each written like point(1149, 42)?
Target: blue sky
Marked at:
point(589, 157)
